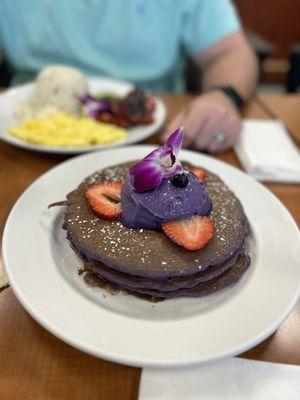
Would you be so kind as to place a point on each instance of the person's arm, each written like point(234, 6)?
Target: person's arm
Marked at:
point(213, 116)
point(229, 62)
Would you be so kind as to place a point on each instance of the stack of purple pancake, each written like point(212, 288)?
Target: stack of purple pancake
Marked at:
point(146, 262)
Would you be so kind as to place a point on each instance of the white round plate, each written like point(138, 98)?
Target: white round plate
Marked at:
point(42, 270)
point(11, 97)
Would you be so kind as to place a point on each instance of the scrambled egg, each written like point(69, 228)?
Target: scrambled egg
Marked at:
point(65, 130)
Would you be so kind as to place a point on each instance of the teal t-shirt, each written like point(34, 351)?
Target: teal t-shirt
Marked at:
point(142, 41)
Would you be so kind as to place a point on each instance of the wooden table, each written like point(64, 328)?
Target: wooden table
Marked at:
point(36, 365)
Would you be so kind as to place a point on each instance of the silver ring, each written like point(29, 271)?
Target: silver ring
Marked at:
point(220, 138)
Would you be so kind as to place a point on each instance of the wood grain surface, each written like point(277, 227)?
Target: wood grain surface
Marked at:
point(36, 365)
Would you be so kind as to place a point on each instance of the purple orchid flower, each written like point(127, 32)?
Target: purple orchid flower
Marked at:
point(159, 164)
point(94, 107)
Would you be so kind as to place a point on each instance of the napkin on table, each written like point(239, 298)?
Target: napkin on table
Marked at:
point(232, 379)
point(267, 152)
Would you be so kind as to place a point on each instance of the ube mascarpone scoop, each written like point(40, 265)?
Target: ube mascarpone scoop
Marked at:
point(166, 203)
point(157, 189)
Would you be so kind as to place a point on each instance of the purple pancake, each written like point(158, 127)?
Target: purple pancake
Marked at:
point(170, 284)
point(203, 289)
point(150, 253)
point(146, 261)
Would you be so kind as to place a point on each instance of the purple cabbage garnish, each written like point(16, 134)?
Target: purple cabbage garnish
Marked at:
point(159, 164)
point(93, 107)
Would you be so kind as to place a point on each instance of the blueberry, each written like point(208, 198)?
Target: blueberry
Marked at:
point(180, 180)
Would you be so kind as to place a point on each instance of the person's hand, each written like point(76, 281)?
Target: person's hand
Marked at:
point(211, 122)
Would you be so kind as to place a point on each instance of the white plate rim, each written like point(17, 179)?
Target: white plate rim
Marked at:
point(140, 361)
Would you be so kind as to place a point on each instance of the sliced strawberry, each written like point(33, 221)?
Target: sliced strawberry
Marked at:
point(105, 199)
point(192, 234)
point(200, 173)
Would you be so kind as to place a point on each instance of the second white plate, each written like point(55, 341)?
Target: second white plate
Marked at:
point(11, 97)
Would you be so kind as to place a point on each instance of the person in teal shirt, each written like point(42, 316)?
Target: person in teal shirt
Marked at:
point(143, 42)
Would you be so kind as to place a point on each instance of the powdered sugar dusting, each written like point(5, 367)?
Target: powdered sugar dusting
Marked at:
point(121, 245)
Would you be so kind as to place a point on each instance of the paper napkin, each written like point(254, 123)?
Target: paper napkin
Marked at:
point(267, 152)
point(233, 379)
